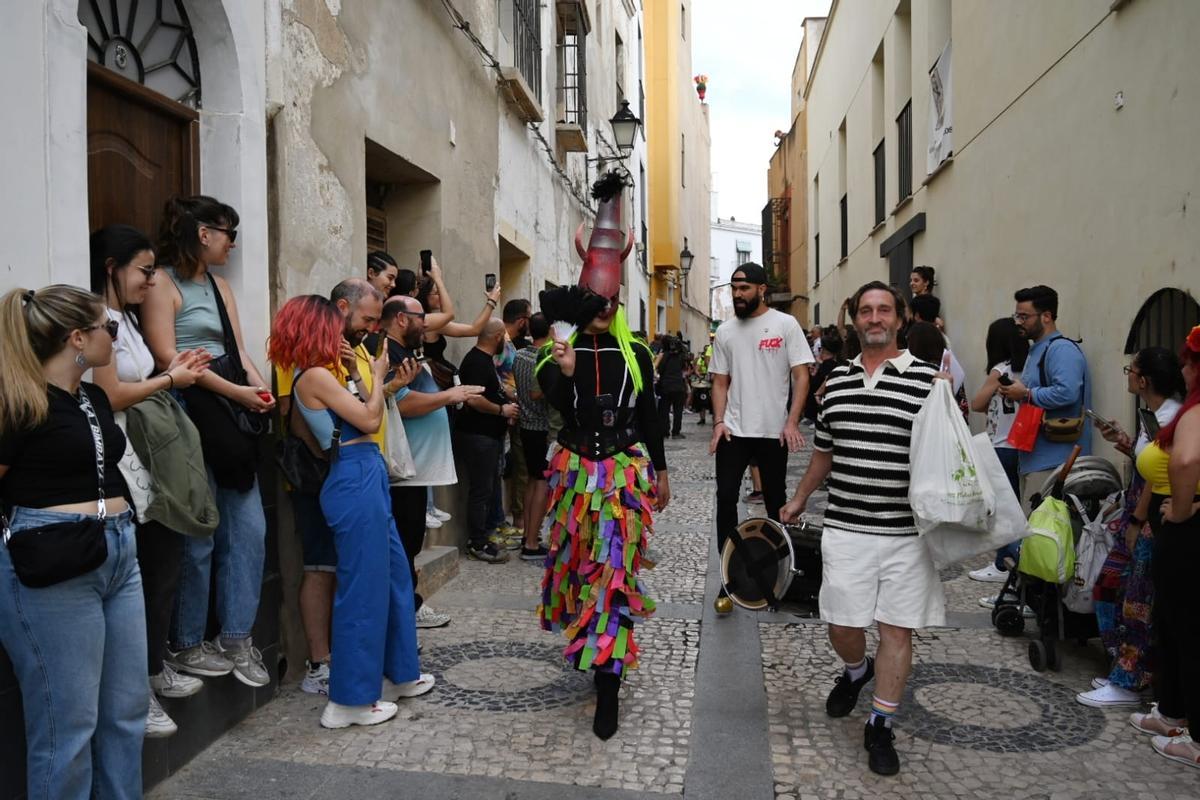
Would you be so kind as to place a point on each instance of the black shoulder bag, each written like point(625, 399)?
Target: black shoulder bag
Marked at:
point(303, 469)
point(230, 367)
point(60, 551)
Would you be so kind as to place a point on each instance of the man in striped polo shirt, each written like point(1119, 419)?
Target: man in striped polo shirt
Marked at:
point(876, 568)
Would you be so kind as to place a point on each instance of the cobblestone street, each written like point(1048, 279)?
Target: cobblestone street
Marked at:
point(721, 708)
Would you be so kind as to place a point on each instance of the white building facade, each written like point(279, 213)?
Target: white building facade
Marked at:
point(733, 243)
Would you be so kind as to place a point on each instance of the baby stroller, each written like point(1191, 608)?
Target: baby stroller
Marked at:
point(1092, 491)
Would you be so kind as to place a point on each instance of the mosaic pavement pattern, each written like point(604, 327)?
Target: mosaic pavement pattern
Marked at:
point(976, 721)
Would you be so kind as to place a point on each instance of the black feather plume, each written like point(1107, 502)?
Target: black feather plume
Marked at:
point(608, 186)
point(571, 304)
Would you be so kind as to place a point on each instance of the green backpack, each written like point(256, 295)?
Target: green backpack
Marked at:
point(1049, 552)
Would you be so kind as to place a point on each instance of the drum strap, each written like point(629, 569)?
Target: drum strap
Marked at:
point(755, 568)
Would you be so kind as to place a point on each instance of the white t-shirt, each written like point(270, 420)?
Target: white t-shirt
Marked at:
point(134, 360)
point(1001, 412)
point(758, 355)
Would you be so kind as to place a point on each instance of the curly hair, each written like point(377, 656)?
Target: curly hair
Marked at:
point(306, 333)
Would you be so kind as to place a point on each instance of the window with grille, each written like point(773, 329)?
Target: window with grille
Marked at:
point(880, 183)
point(844, 214)
point(527, 43)
point(904, 151)
point(571, 95)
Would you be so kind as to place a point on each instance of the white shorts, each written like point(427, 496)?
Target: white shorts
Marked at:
point(889, 579)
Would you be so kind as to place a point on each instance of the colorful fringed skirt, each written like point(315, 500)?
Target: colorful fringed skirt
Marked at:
point(598, 522)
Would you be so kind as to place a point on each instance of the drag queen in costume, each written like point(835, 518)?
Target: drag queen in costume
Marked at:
point(607, 472)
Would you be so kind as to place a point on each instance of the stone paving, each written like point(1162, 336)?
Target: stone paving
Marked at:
point(508, 720)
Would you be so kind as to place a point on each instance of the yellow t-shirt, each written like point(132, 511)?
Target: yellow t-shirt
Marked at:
point(1152, 465)
point(284, 380)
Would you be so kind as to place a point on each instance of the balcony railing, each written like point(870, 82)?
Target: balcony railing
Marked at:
point(527, 43)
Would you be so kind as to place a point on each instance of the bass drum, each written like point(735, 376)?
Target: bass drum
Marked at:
point(766, 564)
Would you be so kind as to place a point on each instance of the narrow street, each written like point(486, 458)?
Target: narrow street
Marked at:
point(721, 708)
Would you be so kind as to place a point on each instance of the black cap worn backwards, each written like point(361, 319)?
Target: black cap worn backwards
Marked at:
point(750, 273)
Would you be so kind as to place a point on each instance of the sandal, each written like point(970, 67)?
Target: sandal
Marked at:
point(1156, 724)
point(1185, 750)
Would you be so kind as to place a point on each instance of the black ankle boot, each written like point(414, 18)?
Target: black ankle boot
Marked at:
point(608, 687)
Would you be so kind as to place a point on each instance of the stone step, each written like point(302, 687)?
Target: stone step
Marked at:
point(436, 566)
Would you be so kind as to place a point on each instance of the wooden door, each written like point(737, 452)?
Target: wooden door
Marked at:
point(142, 148)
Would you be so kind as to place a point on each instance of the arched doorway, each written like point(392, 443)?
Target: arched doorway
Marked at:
point(143, 101)
point(1163, 321)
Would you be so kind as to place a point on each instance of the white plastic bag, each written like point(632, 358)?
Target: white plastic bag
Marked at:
point(945, 485)
point(951, 543)
point(1091, 551)
point(399, 457)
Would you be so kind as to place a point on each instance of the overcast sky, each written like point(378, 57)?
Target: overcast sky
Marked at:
point(747, 49)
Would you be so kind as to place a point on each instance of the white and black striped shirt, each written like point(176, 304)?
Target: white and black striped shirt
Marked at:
point(866, 422)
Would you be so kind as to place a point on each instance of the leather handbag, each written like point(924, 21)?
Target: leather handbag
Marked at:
point(51, 554)
point(1061, 430)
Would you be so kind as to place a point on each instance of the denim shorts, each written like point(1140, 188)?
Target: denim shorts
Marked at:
point(316, 537)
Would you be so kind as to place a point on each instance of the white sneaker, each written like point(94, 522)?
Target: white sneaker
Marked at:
point(432, 522)
point(170, 683)
point(444, 516)
point(427, 617)
point(990, 602)
point(415, 688)
point(1186, 751)
point(336, 715)
point(158, 724)
point(316, 680)
point(1109, 697)
point(988, 574)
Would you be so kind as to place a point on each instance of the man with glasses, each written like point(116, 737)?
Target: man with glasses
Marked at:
point(427, 427)
point(1055, 379)
point(513, 469)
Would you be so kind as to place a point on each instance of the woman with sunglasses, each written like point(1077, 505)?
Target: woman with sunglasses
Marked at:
point(78, 645)
point(184, 313)
point(123, 270)
point(1124, 593)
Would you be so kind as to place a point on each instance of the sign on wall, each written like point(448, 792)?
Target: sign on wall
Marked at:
point(941, 117)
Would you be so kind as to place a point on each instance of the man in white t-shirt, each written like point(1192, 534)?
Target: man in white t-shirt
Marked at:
point(757, 358)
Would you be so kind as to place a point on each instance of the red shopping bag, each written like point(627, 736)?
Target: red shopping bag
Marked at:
point(1028, 422)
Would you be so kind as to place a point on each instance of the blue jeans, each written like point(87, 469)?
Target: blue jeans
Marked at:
point(238, 548)
point(496, 516)
point(374, 611)
point(1008, 459)
point(79, 652)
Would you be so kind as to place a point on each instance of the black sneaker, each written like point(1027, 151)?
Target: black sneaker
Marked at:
point(678, 436)
point(488, 552)
point(538, 553)
point(842, 699)
point(881, 753)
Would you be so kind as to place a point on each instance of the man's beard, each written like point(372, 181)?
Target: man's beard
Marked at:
point(412, 338)
point(353, 337)
point(877, 337)
point(746, 308)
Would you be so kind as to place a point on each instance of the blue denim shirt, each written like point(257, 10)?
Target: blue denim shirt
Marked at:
point(1067, 372)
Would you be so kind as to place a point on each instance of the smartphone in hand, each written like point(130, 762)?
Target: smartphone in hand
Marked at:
point(426, 260)
point(489, 281)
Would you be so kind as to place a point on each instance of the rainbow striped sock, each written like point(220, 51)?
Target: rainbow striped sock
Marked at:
point(882, 709)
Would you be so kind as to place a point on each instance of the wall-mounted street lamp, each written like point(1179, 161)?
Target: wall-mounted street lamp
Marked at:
point(625, 126)
point(686, 257)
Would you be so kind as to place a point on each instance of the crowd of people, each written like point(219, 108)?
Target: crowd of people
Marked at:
point(116, 533)
point(867, 378)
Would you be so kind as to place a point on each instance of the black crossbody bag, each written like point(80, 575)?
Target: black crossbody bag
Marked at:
point(230, 367)
point(60, 551)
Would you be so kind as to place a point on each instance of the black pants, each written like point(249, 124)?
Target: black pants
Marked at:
point(732, 459)
point(160, 559)
point(671, 402)
point(1176, 623)
point(408, 509)
point(480, 456)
